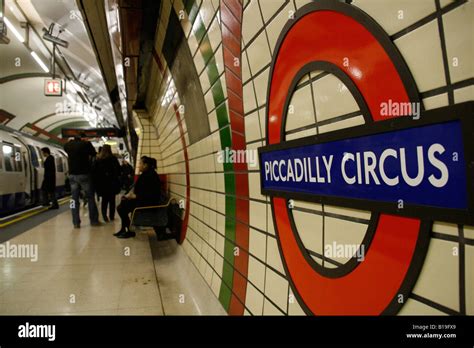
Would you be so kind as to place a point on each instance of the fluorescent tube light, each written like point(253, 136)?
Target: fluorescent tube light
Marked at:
point(13, 29)
point(40, 62)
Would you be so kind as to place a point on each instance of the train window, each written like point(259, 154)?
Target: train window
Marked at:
point(9, 157)
point(40, 158)
point(59, 164)
point(34, 156)
point(63, 158)
point(18, 159)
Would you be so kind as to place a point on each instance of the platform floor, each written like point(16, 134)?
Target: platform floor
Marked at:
point(87, 271)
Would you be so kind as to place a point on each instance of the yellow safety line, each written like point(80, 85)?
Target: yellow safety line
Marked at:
point(36, 212)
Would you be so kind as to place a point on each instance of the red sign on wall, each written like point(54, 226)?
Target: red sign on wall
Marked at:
point(53, 87)
point(397, 244)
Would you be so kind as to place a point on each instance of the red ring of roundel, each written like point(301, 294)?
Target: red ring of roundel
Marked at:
point(328, 35)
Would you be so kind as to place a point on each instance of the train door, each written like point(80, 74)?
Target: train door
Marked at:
point(40, 169)
point(34, 170)
point(3, 183)
point(24, 178)
point(23, 159)
point(65, 182)
point(10, 186)
point(59, 172)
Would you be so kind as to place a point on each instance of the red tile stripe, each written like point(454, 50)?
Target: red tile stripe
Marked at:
point(235, 101)
point(184, 225)
point(233, 42)
point(157, 59)
point(234, 83)
point(235, 7)
point(229, 60)
point(231, 27)
point(44, 132)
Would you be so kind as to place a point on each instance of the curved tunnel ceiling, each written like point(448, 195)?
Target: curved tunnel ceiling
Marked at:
point(22, 78)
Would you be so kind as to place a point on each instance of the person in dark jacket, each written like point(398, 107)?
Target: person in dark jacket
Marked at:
point(126, 175)
point(80, 155)
point(146, 192)
point(49, 181)
point(107, 180)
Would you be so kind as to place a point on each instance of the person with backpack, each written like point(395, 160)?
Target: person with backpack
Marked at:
point(106, 179)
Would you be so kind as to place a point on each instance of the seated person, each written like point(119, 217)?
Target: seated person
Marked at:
point(146, 192)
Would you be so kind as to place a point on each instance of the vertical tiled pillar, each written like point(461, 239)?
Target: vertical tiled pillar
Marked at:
point(231, 27)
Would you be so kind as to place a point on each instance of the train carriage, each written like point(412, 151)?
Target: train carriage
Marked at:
point(22, 172)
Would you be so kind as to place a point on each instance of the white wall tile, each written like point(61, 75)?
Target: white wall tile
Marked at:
point(252, 21)
point(428, 73)
point(458, 28)
point(257, 244)
point(270, 8)
point(439, 278)
point(276, 288)
point(256, 273)
point(300, 110)
point(259, 53)
point(332, 98)
point(469, 262)
point(254, 300)
point(273, 255)
point(394, 16)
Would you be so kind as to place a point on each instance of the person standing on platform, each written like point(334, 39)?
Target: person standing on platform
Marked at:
point(94, 176)
point(107, 180)
point(80, 154)
point(48, 187)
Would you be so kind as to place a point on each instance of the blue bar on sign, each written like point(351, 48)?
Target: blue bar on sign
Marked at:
point(423, 166)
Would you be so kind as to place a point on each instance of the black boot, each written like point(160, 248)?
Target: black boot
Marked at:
point(122, 231)
point(127, 234)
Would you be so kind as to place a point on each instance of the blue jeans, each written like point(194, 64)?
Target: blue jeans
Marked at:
point(83, 182)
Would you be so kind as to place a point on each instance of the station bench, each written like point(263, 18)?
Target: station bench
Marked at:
point(163, 218)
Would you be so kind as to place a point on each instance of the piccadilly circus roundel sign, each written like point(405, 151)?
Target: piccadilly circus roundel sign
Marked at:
point(406, 171)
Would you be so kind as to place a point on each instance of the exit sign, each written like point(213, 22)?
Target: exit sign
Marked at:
point(53, 87)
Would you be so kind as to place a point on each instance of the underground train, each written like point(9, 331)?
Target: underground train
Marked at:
point(21, 170)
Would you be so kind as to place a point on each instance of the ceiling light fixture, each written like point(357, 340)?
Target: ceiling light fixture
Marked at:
point(13, 29)
point(40, 62)
point(48, 36)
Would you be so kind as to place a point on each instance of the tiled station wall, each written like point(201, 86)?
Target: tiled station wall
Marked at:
point(430, 35)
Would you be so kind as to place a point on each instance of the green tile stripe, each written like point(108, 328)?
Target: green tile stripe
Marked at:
point(225, 134)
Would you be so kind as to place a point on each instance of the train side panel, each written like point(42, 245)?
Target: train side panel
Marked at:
point(22, 171)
